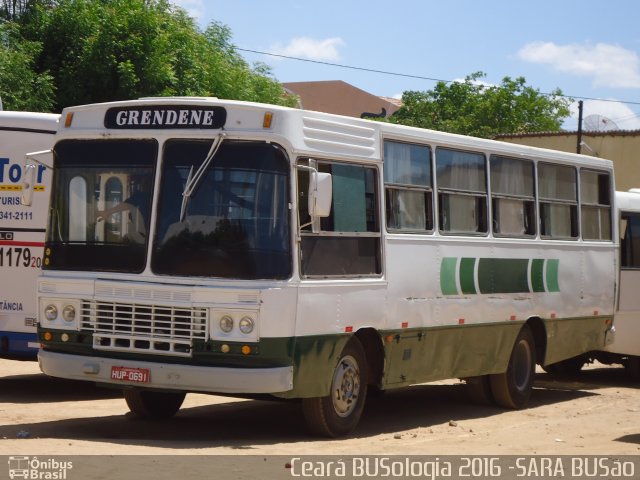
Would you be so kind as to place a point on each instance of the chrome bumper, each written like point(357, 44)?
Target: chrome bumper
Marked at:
point(169, 376)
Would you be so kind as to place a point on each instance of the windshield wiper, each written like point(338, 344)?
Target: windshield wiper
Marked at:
point(194, 180)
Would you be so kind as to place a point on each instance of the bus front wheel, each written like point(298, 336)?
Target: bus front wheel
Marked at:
point(153, 405)
point(512, 388)
point(338, 413)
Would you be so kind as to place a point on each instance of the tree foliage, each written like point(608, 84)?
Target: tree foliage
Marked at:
point(475, 108)
point(104, 50)
point(21, 87)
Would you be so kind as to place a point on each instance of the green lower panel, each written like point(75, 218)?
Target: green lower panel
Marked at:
point(410, 356)
point(315, 358)
point(569, 337)
point(459, 351)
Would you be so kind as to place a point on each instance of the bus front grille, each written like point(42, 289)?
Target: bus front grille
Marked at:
point(153, 329)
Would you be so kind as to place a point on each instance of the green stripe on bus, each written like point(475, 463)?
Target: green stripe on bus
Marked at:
point(467, 275)
point(448, 274)
point(498, 275)
point(537, 275)
point(552, 275)
point(503, 275)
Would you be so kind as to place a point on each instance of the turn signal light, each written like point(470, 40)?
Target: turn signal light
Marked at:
point(68, 120)
point(266, 121)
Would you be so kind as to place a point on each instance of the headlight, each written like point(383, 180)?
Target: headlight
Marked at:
point(226, 323)
point(246, 325)
point(50, 312)
point(69, 313)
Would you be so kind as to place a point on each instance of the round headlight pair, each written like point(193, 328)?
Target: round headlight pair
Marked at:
point(245, 325)
point(68, 313)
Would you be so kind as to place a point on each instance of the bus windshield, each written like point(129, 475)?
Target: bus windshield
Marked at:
point(101, 205)
point(235, 222)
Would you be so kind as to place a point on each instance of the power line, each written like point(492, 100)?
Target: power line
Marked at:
point(406, 75)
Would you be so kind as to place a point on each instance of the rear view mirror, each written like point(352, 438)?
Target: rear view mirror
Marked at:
point(29, 178)
point(320, 194)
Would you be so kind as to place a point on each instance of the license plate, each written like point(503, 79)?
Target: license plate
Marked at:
point(128, 374)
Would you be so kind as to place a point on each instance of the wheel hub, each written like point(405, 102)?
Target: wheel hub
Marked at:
point(346, 386)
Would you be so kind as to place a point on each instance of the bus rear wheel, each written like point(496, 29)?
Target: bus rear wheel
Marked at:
point(338, 413)
point(512, 388)
point(153, 405)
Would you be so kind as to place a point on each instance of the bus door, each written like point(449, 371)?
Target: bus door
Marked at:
point(628, 313)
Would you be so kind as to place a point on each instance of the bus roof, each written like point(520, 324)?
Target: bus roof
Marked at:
point(318, 132)
point(28, 121)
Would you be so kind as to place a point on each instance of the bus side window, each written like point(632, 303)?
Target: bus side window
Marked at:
point(557, 190)
point(408, 187)
point(462, 191)
point(630, 241)
point(349, 240)
point(595, 205)
point(512, 196)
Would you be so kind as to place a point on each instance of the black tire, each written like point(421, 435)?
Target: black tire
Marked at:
point(479, 390)
point(512, 388)
point(153, 405)
point(338, 413)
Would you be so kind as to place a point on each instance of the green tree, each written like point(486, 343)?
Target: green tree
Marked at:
point(475, 108)
point(104, 50)
point(21, 88)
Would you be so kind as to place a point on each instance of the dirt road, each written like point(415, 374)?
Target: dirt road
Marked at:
point(597, 413)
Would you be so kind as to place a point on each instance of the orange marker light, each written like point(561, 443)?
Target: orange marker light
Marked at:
point(266, 121)
point(246, 349)
point(68, 120)
point(48, 336)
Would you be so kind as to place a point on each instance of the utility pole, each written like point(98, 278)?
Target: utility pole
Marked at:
point(579, 146)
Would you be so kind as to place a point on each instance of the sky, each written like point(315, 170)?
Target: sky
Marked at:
point(588, 49)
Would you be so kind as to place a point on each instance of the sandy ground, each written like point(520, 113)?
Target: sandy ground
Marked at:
point(596, 413)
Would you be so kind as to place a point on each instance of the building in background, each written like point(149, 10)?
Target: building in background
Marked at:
point(341, 98)
point(620, 146)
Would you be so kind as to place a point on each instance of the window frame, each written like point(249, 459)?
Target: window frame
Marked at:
point(482, 207)
point(524, 199)
point(600, 207)
point(318, 233)
point(426, 190)
point(573, 205)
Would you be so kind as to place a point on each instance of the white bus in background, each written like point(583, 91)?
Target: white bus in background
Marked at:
point(627, 318)
point(625, 349)
point(22, 228)
point(203, 245)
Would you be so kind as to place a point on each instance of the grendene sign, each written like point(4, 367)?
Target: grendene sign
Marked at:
point(170, 117)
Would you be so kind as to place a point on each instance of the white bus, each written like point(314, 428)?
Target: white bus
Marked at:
point(21, 229)
point(625, 349)
point(202, 245)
